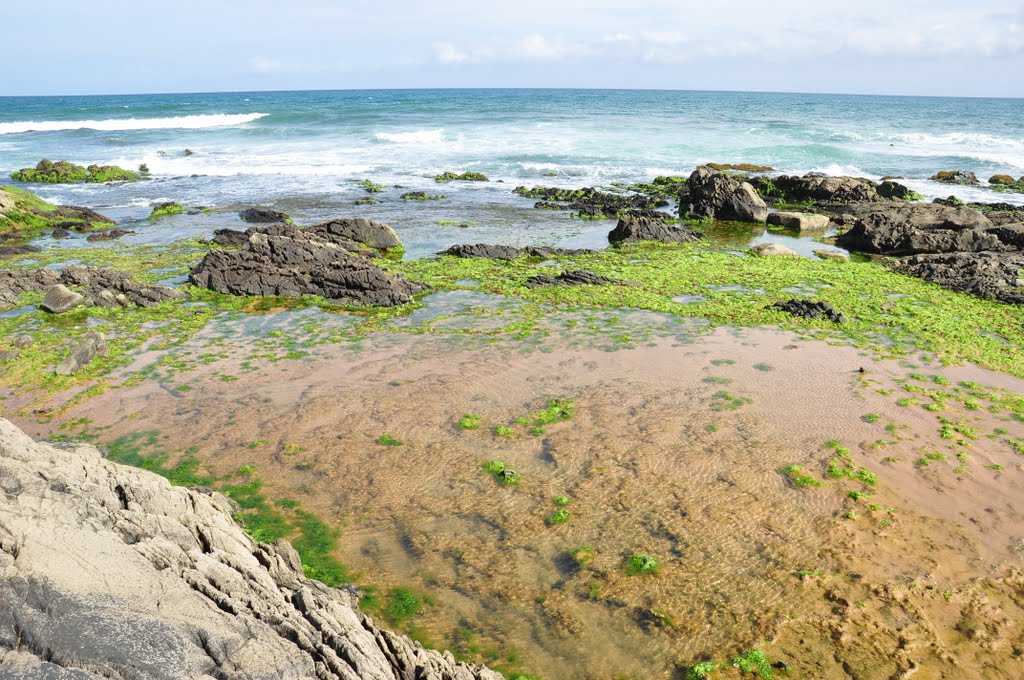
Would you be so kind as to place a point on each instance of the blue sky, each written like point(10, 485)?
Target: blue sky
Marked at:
point(930, 47)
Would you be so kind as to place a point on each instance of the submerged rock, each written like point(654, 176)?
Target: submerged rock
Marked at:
point(486, 251)
point(108, 571)
point(809, 309)
point(92, 345)
point(993, 276)
point(632, 229)
point(286, 261)
point(715, 195)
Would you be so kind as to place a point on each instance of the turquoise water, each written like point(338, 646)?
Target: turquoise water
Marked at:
point(307, 151)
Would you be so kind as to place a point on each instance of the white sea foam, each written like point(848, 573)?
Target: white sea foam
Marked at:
point(416, 137)
point(174, 123)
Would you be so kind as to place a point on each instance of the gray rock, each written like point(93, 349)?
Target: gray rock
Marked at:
point(109, 287)
point(579, 277)
point(371, 234)
point(717, 195)
point(799, 221)
point(817, 188)
point(287, 261)
point(831, 255)
point(263, 216)
point(909, 228)
point(486, 251)
point(14, 282)
point(60, 299)
point(773, 249)
point(993, 276)
point(632, 229)
point(92, 345)
point(6, 201)
point(955, 177)
point(110, 572)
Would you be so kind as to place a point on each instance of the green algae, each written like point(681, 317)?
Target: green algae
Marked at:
point(65, 172)
point(163, 209)
point(450, 176)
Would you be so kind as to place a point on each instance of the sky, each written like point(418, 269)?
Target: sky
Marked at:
point(914, 47)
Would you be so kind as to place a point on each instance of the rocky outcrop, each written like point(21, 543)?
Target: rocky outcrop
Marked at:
point(263, 216)
point(90, 346)
point(993, 276)
point(111, 572)
point(905, 228)
point(809, 309)
point(579, 277)
point(371, 234)
point(955, 177)
point(486, 251)
point(632, 229)
point(716, 195)
point(817, 188)
point(99, 287)
point(895, 190)
point(593, 204)
point(283, 260)
point(64, 172)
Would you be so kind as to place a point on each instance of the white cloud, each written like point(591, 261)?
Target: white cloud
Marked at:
point(265, 67)
point(447, 53)
point(536, 46)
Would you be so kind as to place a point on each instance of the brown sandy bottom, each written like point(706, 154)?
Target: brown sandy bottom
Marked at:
point(674, 451)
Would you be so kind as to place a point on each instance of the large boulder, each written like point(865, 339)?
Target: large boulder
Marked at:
point(906, 228)
point(375, 235)
point(716, 195)
point(993, 276)
point(108, 571)
point(60, 299)
point(631, 229)
point(817, 188)
point(290, 262)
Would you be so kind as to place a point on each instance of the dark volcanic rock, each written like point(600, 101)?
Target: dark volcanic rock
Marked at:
point(890, 189)
point(955, 177)
point(111, 235)
point(14, 282)
point(591, 203)
point(112, 288)
point(290, 262)
point(993, 276)
point(109, 572)
point(230, 238)
point(60, 233)
point(631, 229)
point(717, 195)
point(817, 188)
point(579, 277)
point(263, 216)
point(486, 251)
point(371, 234)
point(906, 228)
point(809, 309)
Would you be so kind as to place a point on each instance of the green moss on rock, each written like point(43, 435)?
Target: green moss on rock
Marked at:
point(171, 208)
point(464, 177)
point(65, 172)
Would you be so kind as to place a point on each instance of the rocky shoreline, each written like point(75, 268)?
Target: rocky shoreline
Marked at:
point(108, 571)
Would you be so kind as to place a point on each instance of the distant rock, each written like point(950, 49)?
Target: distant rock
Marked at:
point(816, 188)
point(64, 172)
point(488, 251)
point(111, 235)
point(450, 176)
point(955, 177)
point(263, 216)
point(799, 221)
point(740, 167)
point(166, 208)
point(108, 571)
point(895, 190)
point(631, 229)
point(715, 195)
point(774, 249)
point(1002, 180)
point(809, 309)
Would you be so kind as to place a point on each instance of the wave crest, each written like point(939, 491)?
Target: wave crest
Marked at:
point(173, 123)
point(417, 137)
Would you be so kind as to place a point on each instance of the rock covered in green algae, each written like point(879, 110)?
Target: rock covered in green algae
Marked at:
point(24, 215)
point(65, 172)
point(168, 208)
point(464, 177)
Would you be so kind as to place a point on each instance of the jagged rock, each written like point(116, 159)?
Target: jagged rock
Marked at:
point(111, 235)
point(230, 238)
point(92, 345)
point(125, 290)
point(631, 229)
point(799, 221)
point(60, 299)
point(290, 262)
point(14, 282)
point(894, 190)
point(716, 195)
point(817, 188)
point(486, 251)
point(110, 572)
point(773, 249)
point(371, 234)
point(263, 216)
point(993, 276)
point(591, 203)
point(579, 277)
point(11, 251)
point(809, 309)
point(905, 228)
point(955, 177)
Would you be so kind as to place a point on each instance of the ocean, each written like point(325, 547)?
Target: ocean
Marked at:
point(306, 152)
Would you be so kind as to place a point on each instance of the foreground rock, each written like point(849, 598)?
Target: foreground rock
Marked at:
point(110, 572)
point(799, 221)
point(993, 276)
point(579, 277)
point(99, 287)
point(283, 260)
point(486, 251)
point(632, 229)
point(715, 195)
point(92, 345)
point(907, 228)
